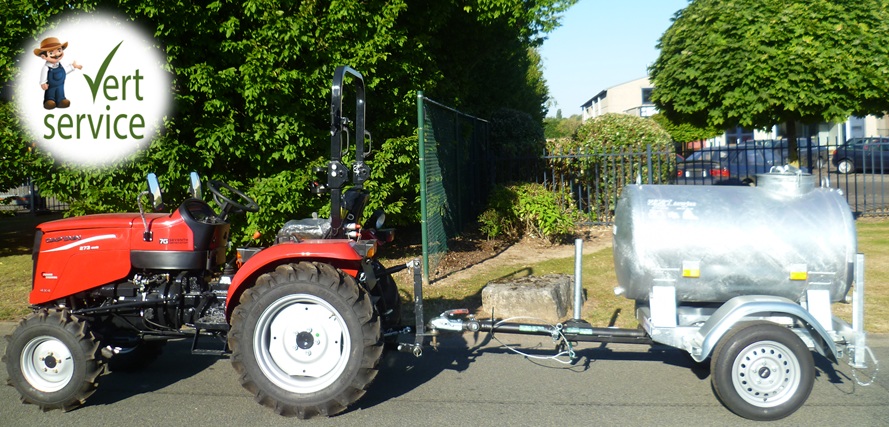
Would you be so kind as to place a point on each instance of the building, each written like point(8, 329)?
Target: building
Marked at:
point(633, 97)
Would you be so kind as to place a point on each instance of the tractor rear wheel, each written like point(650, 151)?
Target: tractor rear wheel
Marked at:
point(53, 360)
point(305, 340)
point(388, 300)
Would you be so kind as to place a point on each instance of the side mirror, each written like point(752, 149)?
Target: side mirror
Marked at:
point(154, 192)
point(194, 188)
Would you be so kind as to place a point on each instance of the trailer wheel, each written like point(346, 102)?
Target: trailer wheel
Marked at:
point(762, 371)
point(305, 340)
point(53, 360)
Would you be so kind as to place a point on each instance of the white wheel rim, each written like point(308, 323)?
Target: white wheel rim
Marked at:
point(845, 167)
point(301, 343)
point(766, 374)
point(47, 364)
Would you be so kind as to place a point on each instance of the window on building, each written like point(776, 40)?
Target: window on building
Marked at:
point(738, 135)
point(646, 95)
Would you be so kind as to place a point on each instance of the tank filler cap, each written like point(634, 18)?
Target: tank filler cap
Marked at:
point(786, 180)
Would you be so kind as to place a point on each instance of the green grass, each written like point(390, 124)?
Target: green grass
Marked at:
point(16, 240)
point(15, 284)
point(602, 307)
point(873, 242)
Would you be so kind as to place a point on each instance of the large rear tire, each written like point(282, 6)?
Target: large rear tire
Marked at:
point(762, 371)
point(388, 299)
point(53, 360)
point(305, 340)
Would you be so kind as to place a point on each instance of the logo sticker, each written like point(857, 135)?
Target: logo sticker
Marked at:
point(93, 91)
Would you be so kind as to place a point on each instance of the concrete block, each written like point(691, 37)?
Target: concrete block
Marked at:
point(549, 298)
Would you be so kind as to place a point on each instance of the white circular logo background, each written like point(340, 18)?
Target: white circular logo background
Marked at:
point(118, 99)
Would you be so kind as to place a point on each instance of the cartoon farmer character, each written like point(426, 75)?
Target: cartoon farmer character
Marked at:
point(52, 75)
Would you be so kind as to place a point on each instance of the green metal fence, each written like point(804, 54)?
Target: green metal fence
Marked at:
point(455, 175)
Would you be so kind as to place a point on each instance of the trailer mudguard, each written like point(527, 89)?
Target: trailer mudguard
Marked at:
point(738, 308)
point(339, 253)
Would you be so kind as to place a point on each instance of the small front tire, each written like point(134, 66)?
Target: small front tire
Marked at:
point(762, 371)
point(53, 360)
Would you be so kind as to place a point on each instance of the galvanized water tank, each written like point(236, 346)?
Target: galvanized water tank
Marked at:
point(713, 243)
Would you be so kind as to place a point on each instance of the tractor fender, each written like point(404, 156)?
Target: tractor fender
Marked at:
point(738, 308)
point(338, 253)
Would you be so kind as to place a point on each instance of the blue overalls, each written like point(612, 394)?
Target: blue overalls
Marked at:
point(55, 78)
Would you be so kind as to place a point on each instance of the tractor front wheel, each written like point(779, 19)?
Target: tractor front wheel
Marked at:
point(305, 340)
point(53, 360)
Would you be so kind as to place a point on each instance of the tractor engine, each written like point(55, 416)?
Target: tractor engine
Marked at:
point(156, 301)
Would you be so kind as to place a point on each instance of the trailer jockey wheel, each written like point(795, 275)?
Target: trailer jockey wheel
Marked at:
point(306, 340)
point(762, 371)
point(53, 360)
point(227, 204)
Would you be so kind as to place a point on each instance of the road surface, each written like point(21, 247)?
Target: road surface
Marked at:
point(465, 382)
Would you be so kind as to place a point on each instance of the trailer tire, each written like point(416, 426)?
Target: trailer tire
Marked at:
point(762, 371)
point(53, 360)
point(305, 340)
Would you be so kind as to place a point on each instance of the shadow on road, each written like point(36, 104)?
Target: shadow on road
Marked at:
point(175, 364)
point(401, 373)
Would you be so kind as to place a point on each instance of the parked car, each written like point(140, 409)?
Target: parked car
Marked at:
point(736, 165)
point(820, 153)
point(14, 200)
point(700, 167)
point(21, 201)
point(864, 154)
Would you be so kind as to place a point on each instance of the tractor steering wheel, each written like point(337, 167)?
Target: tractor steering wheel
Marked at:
point(225, 203)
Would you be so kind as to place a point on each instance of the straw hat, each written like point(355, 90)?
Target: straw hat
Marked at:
point(48, 44)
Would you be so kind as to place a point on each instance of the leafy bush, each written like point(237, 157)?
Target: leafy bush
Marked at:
point(394, 183)
point(589, 156)
point(528, 209)
point(253, 108)
point(561, 127)
point(685, 132)
point(515, 134)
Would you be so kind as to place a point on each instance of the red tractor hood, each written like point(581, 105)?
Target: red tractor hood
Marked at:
point(111, 220)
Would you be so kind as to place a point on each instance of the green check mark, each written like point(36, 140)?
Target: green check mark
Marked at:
point(94, 84)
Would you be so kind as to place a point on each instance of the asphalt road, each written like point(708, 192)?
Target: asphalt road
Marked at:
point(464, 383)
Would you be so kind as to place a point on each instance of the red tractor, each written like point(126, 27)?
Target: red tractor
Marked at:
point(303, 319)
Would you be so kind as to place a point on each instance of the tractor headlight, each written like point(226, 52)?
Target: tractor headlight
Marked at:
point(376, 220)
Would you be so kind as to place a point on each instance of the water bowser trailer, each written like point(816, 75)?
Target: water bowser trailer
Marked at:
point(744, 277)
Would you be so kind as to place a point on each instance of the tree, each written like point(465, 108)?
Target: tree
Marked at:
point(561, 127)
point(685, 132)
point(757, 63)
point(594, 145)
point(251, 84)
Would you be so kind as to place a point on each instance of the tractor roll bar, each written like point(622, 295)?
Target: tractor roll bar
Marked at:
point(337, 172)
